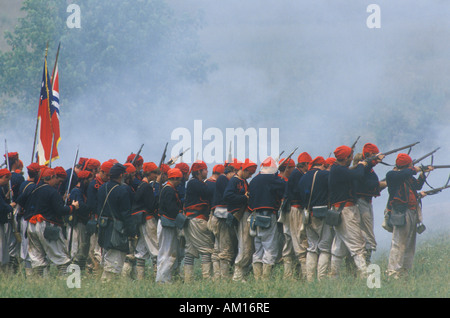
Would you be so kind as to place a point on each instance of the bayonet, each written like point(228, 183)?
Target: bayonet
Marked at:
point(287, 158)
point(174, 159)
point(163, 157)
point(137, 155)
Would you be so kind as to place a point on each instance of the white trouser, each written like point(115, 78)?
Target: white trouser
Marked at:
point(168, 253)
point(41, 251)
point(147, 244)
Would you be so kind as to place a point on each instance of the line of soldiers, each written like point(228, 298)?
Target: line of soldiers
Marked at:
point(115, 217)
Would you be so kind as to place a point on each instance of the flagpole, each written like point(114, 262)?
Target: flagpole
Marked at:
point(51, 151)
point(37, 119)
point(56, 63)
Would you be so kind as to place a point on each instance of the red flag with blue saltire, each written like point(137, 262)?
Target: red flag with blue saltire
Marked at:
point(45, 129)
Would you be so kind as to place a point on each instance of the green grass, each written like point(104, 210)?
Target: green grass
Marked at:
point(429, 279)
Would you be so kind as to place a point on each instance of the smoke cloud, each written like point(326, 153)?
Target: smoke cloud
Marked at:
point(312, 69)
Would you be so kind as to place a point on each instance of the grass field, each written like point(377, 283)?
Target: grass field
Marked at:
point(429, 279)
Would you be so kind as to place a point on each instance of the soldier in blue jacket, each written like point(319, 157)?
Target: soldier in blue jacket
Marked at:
point(77, 235)
point(199, 239)
point(115, 224)
point(313, 191)
point(225, 245)
point(366, 189)
point(5, 209)
point(348, 235)
point(169, 243)
point(266, 190)
point(236, 197)
point(405, 205)
point(46, 236)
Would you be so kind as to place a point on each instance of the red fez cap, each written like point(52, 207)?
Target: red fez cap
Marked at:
point(130, 167)
point(47, 172)
point(370, 148)
point(304, 157)
point(317, 161)
point(288, 163)
point(106, 166)
point(174, 173)
point(4, 172)
point(34, 167)
point(165, 168)
point(138, 161)
point(184, 167)
point(236, 164)
point(402, 160)
point(82, 161)
point(85, 174)
point(342, 152)
point(12, 155)
point(219, 169)
point(249, 165)
point(330, 161)
point(198, 165)
point(92, 164)
point(149, 166)
point(60, 172)
point(113, 161)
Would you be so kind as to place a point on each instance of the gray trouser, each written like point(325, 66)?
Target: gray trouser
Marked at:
point(168, 253)
point(147, 245)
point(246, 246)
point(320, 236)
point(4, 250)
point(41, 251)
point(298, 233)
point(348, 235)
point(225, 245)
point(267, 243)
point(367, 228)
point(113, 260)
point(403, 244)
point(199, 239)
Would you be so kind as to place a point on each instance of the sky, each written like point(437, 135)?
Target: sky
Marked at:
point(312, 70)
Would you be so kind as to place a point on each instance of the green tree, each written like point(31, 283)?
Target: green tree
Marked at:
point(129, 50)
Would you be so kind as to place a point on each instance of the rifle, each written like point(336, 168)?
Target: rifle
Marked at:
point(279, 156)
point(437, 190)
point(67, 195)
point(438, 166)
point(12, 215)
point(287, 158)
point(425, 156)
point(230, 158)
point(174, 159)
point(390, 152)
point(163, 157)
point(137, 155)
point(354, 144)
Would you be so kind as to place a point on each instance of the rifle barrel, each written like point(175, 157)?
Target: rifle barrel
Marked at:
point(401, 148)
point(425, 156)
point(163, 157)
point(356, 141)
point(392, 151)
point(288, 157)
point(137, 154)
point(71, 176)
